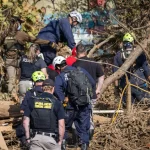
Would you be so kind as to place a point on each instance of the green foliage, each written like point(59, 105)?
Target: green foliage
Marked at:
point(27, 12)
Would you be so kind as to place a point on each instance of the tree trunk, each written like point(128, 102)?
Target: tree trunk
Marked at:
point(96, 47)
point(121, 71)
point(129, 99)
point(9, 109)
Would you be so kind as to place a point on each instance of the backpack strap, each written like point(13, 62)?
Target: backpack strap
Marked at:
point(35, 93)
point(64, 86)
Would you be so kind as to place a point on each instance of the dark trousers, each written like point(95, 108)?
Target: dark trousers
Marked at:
point(49, 54)
point(137, 94)
point(20, 133)
point(81, 119)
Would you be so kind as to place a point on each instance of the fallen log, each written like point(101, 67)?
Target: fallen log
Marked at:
point(9, 109)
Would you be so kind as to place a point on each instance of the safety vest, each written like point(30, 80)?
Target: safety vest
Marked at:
point(42, 116)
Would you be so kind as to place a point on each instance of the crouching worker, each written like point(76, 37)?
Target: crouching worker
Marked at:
point(139, 68)
point(45, 117)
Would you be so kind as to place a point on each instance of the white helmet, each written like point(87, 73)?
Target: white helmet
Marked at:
point(58, 60)
point(77, 15)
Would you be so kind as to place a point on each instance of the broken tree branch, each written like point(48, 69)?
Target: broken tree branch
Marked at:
point(93, 50)
point(127, 29)
point(131, 59)
point(104, 63)
point(142, 27)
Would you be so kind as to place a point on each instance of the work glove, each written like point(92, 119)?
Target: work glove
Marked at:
point(53, 45)
point(65, 102)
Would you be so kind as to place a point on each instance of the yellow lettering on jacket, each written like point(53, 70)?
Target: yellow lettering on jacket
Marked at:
point(43, 105)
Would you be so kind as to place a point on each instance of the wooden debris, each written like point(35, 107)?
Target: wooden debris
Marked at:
point(129, 132)
point(6, 128)
point(8, 109)
point(101, 119)
point(2, 142)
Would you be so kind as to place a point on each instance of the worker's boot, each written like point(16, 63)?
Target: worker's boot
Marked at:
point(84, 147)
point(63, 145)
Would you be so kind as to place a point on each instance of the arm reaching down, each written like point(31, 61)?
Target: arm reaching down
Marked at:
point(99, 84)
point(44, 70)
point(26, 125)
point(61, 127)
point(67, 32)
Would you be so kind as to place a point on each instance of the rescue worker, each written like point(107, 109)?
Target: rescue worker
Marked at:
point(139, 68)
point(44, 114)
point(28, 64)
point(70, 60)
point(92, 68)
point(12, 52)
point(59, 31)
point(14, 48)
point(52, 73)
point(37, 77)
point(79, 115)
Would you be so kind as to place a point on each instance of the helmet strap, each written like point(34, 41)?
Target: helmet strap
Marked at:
point(73, 21)
point(123, 54)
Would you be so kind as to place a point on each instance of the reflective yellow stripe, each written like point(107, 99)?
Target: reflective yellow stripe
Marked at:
point(43, 105)
point(47, 105)
point(38, 105)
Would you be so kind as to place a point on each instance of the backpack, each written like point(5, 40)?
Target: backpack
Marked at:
point(79, 88)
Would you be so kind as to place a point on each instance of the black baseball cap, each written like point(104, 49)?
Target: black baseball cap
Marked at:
point(48, 82)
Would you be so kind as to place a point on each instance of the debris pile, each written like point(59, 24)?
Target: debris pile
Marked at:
point(129, 132)
point(110, 98)
point(11, 140)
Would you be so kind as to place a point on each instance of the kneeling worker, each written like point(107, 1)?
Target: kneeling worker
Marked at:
point(42, 115)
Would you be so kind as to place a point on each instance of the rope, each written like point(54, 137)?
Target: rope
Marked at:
point(118, 68)
point(119, 106)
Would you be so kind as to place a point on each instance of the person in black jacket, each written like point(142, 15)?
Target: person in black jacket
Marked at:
point(44, 114)
point(28, 64)
point(93, 68)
